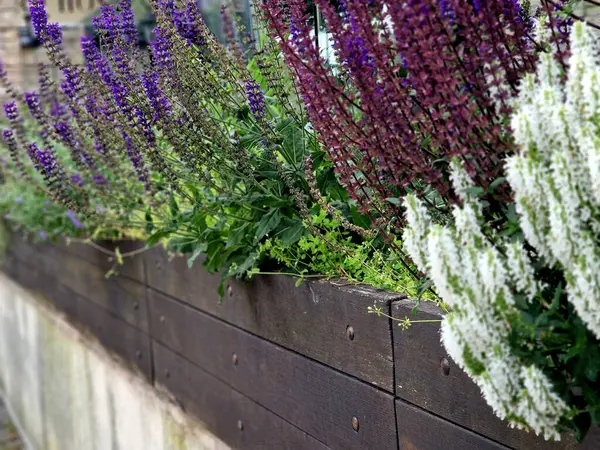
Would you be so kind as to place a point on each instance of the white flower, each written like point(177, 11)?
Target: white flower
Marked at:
point(520, 268)
point(540, 406)
point(415, 234)
point(555, 178)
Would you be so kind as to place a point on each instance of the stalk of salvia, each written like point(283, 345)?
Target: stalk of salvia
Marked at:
point(555, 176)
point(477, 280)
point(396, 109)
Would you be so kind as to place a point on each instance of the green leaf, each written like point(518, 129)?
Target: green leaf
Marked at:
point(292, 233)
point(359, 219)
point(268, 223)
point(157, 237)
point(394, 201)
point(494, 184)
point(149, 222)
point(174, 206)
point(236, 235)
point(215, 256)
point(119, 256)
point(247, 264)
point(199, 251)
point(582, 423)
point(475, 191)
point(423, 287)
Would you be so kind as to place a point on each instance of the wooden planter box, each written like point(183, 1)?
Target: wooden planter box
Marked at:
point(274, 366)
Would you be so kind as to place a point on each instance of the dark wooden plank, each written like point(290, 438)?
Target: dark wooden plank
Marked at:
point(10, 266)
point(231, 416)
point(315, 398)
point(121, 296)
point(419, 430)
point(311, 319)
point(129, 343)
point(452, 395)
point(132, 267)
point(126, 341)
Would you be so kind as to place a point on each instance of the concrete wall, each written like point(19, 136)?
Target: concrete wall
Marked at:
point(65, 392)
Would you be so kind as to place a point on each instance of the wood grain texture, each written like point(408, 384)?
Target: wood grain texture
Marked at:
point(420, 430)
point(233, 417)
point(311, 396)
point(421, 381)
point(121, 296)
point(132, 267)
point(311, 319)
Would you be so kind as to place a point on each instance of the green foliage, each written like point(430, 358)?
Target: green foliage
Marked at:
point(331, 251)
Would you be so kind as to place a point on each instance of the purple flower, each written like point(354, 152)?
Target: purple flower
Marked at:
point(256, 99)
point(11, 111)
point(39, 18)
point(44, 162)
point(77, 180)
point(43, 235)
point(71, 82)
point(161, 53)
point(159, 103)
point(19, 200)
point(136, 159)
point(100, 179)
point(71, 215)
point(108, 22)
point(186, 21)
point(33, 102)
point(54, 31)
point(128, 22)
point(9, 138)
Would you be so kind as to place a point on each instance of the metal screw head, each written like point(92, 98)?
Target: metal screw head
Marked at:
point(240, 425)
point(350, 332)
point(229, 291)
point(445, 365)
point(234, 359)
point(355, 423)
point(167, 373)
point(162, 318)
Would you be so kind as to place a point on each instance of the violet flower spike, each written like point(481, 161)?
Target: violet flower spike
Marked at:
point(39, 18)
point(74, 220)
point(256, 99)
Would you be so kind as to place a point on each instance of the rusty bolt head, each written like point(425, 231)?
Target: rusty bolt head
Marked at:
point(350, 332)
point(167, 373)
point(445, 365)
point(240, 425)
point(355, 423)
point(229, 291)
point(234, 359)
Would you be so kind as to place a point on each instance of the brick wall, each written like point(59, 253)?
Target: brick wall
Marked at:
point(20, 62)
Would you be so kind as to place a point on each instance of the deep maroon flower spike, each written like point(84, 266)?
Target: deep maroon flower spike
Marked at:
point(417, 83)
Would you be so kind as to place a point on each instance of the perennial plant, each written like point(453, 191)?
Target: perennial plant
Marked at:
point(464, 134)
point(524, 300)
